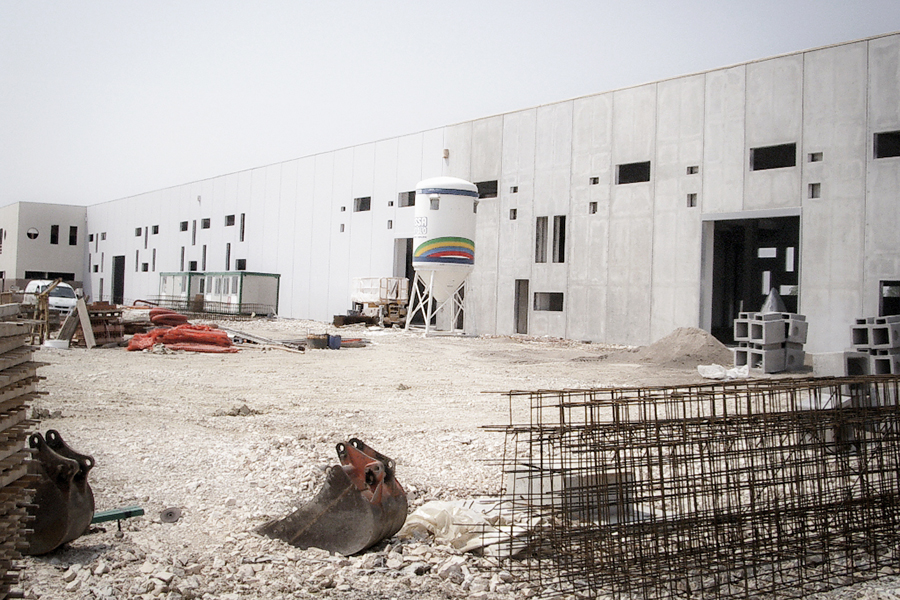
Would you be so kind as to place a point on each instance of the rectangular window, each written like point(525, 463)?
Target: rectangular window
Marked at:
point(194, 232)
point(513, 189)
point(390, 224)
point(240, 264)
point(487, 189)
point(592, 208)
point(96, 268)
point(691, 200)
point(228, 257)
point(155, 230)
point(405, 199)
point(229, 220)
point(203, 258)
point(181, 266)
point(559, 239)
point(146, 231)
point(205, 223)
point(815, 157)
point(633, 173)
point(693, 170)
point(887, 144)
point(815, 190)
point(390, 203)
point(54, 234)
point(145, 267)
point(137, 260)
point(154, 260)
point(192, 266)
point(435, 203)
point(513, 213)
point(102, 260)
point(552, 301)
point(90, 237)
point(362, 204)
point(137, 232)
point(773, 157)
point(594, 180)
point(241, 237)
point(103, 237)
point(183, 225)
point(342, 228)
point(540, 240)
point(73, 235)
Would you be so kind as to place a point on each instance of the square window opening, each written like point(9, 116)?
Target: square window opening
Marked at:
point(390, 203)
point(594, 180)
point(192, 265)
point(137, 232)
point(240, 264)
point(205, 223)
point(145, 267)
point(183, 226)
point(406, 199)
point(550, 301)
point(513, 213)
point(229, 220)
point(155, 230)
point(633, 173)
point(691, 200)
point(362, 204)
point(513, 189)
point(773, 157)
point(815, 190)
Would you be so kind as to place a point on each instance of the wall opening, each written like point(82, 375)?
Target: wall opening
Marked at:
point(889, 298)
point(362, 204)
point(405, 199)
point(551, 301)
point(540, 240)
point(749, 257)
point(887, 144)
point(521, 306)
point(559, 239)
point(118, 282)
point(487, 189)
point(773, 157)
point(633, 172)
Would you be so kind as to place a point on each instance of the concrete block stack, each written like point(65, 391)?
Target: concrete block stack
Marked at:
point(770, 341)
point(875, 346)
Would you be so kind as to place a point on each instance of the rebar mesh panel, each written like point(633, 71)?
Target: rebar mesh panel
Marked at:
point(777, 488)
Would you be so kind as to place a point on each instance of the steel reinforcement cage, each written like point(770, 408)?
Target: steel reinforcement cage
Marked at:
point(771, 488)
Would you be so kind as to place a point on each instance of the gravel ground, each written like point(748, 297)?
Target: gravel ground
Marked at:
point(235, 440)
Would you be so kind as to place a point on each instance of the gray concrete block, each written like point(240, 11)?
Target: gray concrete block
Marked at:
point(856, 363)
point(859, 335)
point(767, 332)
point(829, 364)
point(769, 361)
point(797, 331)
point(884, 336)
point(742, 329)
point(794, 358)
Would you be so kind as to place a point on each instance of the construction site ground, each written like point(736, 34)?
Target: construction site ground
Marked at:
point(235, 440)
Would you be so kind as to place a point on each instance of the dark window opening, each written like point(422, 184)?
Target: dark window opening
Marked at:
point(594, 180)
point(32, 234)
point(691, 200)
point(192, 266)
point(513, 189)
point(73, 235)
point(64, 277)
point(889, 298)
point(592, 208)
point(35, 275)
point(228, 257)
point(815, 190)
point(137, 232)
point(540, 240)
point(240, 264)
point(183, 225)
point(487, 189)
point(243, 220)
point(181, 265)
point(559, 239)
point(887, 144)
point(815, 157)
point(155, 230)
point(146, 231)
point(390, 224)
point(405, 199)
point(204, 224)
point(362, 204)
point(194, 232)
point(137, 260)
point(103, 237)
point(693, 170)
point(203, 258)
point(390, 203)
point(145, 267)
point(513, 213)
point(90, 237)
point(54, 234)
point(773, 157)
point(633, 173)
point(552, 301)
point(229, 220)
point(96, 268)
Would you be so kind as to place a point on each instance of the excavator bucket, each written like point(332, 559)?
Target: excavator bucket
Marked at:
point(360, 504)
point(63, 503)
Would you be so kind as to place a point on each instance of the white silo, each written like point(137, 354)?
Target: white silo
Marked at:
point(443, 247)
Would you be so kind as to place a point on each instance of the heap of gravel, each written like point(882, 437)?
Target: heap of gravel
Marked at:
point(686, 347)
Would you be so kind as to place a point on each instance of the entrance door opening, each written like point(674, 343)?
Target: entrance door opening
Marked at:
point(118, 282)
point(750, 257)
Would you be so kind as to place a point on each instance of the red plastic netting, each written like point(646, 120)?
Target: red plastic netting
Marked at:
point(193, 338)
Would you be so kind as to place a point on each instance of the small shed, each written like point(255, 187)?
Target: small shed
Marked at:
point(225, 292)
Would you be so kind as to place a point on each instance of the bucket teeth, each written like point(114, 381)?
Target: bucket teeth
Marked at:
point(360, 504)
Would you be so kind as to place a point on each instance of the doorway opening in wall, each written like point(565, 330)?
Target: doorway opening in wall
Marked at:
point(118, 282)
point(749, 258)
point(521, 303)
point(403, 267)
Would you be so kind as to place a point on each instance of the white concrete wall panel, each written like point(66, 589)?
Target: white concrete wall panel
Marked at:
point(631, 219)
point(724, 167)
point(326, 220)
point(458, 141)
point(833, 229)
point(676, 229)
point(486, 149)
point(285, 233)
point(774, 116)
point(301, 280)
point(432, 160)
point(337, 281)
point(883, 205)
point(366, 227)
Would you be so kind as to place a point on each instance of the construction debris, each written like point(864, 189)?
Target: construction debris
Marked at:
point(192, 338)
point(360, 504)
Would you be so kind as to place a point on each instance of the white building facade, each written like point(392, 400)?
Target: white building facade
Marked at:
point(615, 217)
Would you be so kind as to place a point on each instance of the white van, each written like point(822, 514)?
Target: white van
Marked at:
point(62, 297)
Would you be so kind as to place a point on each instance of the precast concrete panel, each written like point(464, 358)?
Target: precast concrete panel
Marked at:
point(774, 117)
point(518, 151)
point(338, 279)
point(327, 219)
point(487, 143)
point(634, 125)
point(255, 219)
point(401, 218)
point(286, 231)
point(676, 228)
point(592, 142)
point(432, 153)
point(301, 278)
point(482, 283)
point(271, 211)
point(409, 161)
point(884, 83)
point(723, 165)
point(832, 242)
point(458, 141)
point(364, 224)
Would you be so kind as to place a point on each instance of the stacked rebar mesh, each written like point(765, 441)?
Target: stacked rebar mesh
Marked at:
point(776, 488)
point(18, 379)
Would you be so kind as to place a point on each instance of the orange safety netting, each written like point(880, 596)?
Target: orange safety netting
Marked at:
point(193, 338)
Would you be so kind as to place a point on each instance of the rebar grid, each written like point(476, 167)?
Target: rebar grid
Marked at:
point(779, 488)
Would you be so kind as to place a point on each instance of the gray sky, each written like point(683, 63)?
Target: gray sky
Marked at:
point(106, 99)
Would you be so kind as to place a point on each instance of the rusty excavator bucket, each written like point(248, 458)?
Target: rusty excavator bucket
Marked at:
point(63, 503)
point(360, 504)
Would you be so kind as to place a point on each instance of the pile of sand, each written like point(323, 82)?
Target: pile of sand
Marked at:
point(686, 347)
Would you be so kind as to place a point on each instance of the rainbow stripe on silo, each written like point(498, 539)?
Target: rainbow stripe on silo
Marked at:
point(455, 250)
